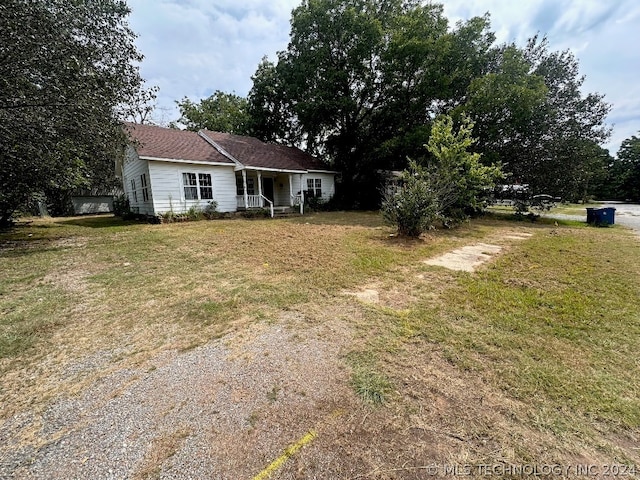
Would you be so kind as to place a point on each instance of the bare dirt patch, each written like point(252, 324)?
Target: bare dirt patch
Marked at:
point(366, 295)
point(518, 236)
point(466, 259)
point(395, 297)
point(440, 417)
point(71, 280)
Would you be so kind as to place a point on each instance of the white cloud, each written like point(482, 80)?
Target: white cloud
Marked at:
point(195, 47)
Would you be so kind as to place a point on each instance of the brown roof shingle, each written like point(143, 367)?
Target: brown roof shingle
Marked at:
point(172, 144)
point(252, 152)
point(169, 143)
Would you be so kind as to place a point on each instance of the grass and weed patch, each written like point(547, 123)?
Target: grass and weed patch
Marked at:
point(551, 324)
point(369, 383)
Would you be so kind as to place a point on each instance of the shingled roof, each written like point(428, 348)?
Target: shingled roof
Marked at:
point(172, 144)
point(251, 152)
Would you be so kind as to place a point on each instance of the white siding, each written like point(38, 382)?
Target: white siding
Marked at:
point(168, 192)
point(328, 183)
point(133, 169)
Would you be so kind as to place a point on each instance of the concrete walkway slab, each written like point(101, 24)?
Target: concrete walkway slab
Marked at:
point(466, 259)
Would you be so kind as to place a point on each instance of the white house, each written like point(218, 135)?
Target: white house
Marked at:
point(173, 170)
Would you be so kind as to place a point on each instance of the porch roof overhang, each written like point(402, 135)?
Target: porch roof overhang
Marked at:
point(322, 171)
point(277, 170)
point(182, 160)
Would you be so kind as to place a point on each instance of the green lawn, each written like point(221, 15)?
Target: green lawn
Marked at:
point(551, 326)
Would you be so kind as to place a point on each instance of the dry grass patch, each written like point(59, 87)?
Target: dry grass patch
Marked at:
point(161, 449)
point(532, 358)
point(551, 326)
point(144, 288)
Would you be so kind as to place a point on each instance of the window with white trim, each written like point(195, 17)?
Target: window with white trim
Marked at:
point(206, 186)
point(145, 187)
point(314, 187)
point(197, 186)
point(133, 191)
point(251, 186)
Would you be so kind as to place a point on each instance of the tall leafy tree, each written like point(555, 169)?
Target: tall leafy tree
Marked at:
point(531, 115)
point(270, 117)
point(504, 104)
point(570, 122)
point(64, 68)
point(361, 80)
point(221, 112)
point(624, 172)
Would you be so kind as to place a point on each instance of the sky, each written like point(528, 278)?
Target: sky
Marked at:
point(194, 47)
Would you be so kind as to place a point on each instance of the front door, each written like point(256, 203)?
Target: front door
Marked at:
point(267, 188)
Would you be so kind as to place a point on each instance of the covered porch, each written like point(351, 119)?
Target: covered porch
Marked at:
point(270, 189)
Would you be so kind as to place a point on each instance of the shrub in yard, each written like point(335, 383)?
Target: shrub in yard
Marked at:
point(462, 183)
point(452, 185)
point(121, 207)
point(413, 208)
point(211, 210)
point(315, 204)
point(194, 213)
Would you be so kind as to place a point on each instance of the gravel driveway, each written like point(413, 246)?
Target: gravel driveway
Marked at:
point(225, 410)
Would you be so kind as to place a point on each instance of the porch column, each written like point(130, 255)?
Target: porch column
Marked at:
point(301, 196)
point(244, 189)
point(291, 189)
point(260, 189)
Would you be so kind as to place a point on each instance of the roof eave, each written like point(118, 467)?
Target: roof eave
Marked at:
point(323, 171)
point(279, 170)
point(183, 160)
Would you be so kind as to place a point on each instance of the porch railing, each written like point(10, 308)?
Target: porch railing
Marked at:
point(270, 204)
point(296, 200)
point(253, 201)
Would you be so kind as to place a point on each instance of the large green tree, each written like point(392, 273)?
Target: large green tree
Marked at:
point(65, 67)
point(531, 115)
point(623, 173)
point(221, 112)
point(361, 81)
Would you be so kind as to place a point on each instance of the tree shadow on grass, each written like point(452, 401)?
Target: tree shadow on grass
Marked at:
point(347, 218)
point(101, 221)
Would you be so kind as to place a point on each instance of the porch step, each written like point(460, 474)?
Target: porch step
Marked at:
point(281, 212)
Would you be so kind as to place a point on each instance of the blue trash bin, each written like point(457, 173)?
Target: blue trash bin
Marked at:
point(601, 216)
point(607, 216)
